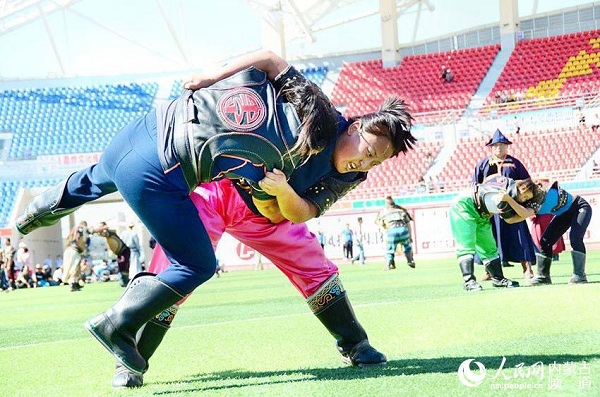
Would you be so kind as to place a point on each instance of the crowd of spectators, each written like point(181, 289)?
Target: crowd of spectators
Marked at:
point(19, 270)
point(506, 96)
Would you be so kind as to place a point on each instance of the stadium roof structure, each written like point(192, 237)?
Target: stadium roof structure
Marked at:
point(64, 22)
point(16, 13)
point(46, 39)
point(303, 18)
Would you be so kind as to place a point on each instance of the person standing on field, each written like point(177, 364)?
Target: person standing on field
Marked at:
point(395, 221)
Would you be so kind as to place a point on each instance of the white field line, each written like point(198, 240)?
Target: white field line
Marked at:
point(192, 326)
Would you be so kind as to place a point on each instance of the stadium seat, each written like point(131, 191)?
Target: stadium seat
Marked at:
point(469, 68)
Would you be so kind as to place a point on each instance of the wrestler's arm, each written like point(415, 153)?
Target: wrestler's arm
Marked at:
point(269, 209)
point(289, 204)
point(522, 213)
point(315, 200)
point(264, 60)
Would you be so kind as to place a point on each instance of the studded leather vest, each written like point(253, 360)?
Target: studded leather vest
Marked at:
point(241, 117)
point(484, 193)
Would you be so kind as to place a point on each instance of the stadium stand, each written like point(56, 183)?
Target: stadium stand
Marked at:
point(175, 90)
point(70, 119)
point(361, 86)
point(546, 68)
point(555, 74)
point(9, 190)
point(316, 75)
point(559, 152)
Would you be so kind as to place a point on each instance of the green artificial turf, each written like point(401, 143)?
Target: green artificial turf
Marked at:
point(249, 333)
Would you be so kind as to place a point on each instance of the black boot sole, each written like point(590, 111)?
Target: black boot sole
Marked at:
point(127, 380)
point(348, 361)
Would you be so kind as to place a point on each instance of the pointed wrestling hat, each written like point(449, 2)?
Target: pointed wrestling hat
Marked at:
point(498, 138)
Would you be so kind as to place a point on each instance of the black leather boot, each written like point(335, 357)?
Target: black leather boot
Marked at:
point(543, 270)
point(148, 340)
point(494, 268)
point(332, 307)
point(44, 210)
point(391, 264)
point(116, 328)
point(579, 276)
point(410, 259)
point(467, 268)
point(123, 279)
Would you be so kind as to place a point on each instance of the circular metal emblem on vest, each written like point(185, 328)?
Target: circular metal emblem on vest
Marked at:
point(242, 109)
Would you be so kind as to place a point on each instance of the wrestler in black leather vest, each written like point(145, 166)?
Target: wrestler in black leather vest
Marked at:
point(240, 116)
point(493, 185)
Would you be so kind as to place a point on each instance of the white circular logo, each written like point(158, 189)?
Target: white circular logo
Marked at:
point(468, 377)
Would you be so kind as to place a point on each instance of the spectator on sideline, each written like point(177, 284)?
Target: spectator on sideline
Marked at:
point(23, 257)
point(8, 262)
point(131, 239)
point(25, 278)
point(360, 256)
point(259, 265)
point(421, 186)
point(38, 275)
point(57, 276)
point(74, 257)
point(117, 247)
point(48, 261)
point(3, 273)
point(58, 262)
point(321, 238)
point(43, 276)
point(441, 183)
point(348, 242)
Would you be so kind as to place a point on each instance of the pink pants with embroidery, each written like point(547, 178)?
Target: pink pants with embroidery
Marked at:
point(289, 246)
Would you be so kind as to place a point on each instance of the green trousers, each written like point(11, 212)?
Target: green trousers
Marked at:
point(472, 232)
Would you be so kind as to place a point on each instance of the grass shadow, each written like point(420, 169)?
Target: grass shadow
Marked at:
point(236, 379)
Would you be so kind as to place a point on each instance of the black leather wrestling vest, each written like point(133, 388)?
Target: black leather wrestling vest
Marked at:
point(492, 185)
point(240, 116)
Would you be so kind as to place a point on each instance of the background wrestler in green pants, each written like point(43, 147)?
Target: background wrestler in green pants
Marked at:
point(470, 214)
